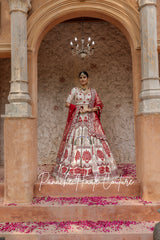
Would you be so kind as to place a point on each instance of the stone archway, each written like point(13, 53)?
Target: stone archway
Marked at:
point(121, 14)
point(110, 73)
point(125, 16)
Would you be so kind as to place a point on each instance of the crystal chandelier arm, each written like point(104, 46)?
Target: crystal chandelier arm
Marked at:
point(93, 44)
point(80, 48)
point(71, 44)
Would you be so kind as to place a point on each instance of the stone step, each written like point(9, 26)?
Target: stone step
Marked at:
point(75, 236)
point(125, 186)
point(84, 230)
point(77, 209)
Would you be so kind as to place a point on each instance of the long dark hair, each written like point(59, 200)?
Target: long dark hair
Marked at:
point(84, 72)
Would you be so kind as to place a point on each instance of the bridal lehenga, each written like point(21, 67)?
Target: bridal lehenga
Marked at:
point(84, 153)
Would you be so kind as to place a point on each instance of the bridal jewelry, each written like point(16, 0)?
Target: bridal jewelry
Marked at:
point(84, 89)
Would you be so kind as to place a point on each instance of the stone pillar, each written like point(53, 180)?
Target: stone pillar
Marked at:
point(148, 120)
point(20, 128)
point(20, 155)
point(150, 90)
point(19, 98)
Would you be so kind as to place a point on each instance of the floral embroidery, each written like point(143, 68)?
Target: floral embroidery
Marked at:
point(106, 148)
point(85, 119)
point(90, 171)
point(80, 119)
point(77, 171)
point(83, 172)
point(82, 130)
point(65, 154)
point(107, 169)
point(101, 170)
point(71, 171)
point(100, 154)
point(86, 156)
point(77, 156)
point(64, 169)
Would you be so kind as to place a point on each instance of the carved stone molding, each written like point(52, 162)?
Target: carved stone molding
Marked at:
point(19, 5)
point(150, 106)
point(143, 3)
point(126, 16)
point(5, 48)
point(138, 1)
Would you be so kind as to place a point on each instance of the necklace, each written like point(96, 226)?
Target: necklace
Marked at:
point(84, 89)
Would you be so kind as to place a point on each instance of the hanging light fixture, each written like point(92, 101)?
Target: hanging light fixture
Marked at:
point(80, 48)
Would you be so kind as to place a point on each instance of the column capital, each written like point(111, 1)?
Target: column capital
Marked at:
point(143, 3)
point(19, 5)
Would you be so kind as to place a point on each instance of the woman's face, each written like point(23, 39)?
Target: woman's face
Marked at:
point(83, 80)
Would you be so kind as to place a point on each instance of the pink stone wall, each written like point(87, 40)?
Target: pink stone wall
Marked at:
point(110, 71)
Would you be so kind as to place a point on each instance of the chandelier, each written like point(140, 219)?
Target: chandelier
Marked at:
point(80, 48)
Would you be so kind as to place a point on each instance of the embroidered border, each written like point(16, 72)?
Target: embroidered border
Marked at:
point(91, 129)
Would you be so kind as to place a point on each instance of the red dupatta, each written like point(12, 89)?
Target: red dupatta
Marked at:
point(94, 125)
point(73, 113)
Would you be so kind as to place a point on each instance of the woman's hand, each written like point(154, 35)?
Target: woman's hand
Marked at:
point(67, 105)
point(90, 110)
point(95, 109)
point(85, 109)
point(81, 110)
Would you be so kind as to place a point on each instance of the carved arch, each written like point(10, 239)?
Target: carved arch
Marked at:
point(120, 13)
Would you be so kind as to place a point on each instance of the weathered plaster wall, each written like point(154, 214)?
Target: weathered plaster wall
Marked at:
point(5, 36)
point(5, 77)
point(110, 70)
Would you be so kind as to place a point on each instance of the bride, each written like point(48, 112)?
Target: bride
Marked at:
point(84, 153)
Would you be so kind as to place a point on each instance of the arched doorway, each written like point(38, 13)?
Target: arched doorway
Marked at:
point(110, 73)
point(122, 14)
point(45, 18)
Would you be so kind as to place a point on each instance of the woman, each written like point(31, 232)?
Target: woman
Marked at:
point(84, 152)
